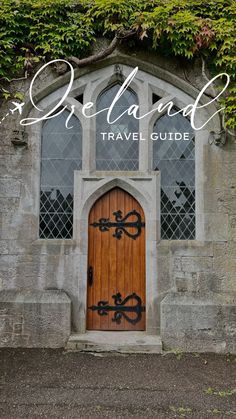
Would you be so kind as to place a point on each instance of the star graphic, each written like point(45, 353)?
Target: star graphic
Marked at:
point(18, 107)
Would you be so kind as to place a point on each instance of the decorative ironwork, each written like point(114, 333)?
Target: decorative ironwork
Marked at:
point(121, 224)
point(120, 308)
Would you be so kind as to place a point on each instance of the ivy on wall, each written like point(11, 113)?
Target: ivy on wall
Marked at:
point(32, 31)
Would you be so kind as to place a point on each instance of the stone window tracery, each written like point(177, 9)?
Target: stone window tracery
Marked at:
point(175, 159)
point(112, 153)
point(61, 155)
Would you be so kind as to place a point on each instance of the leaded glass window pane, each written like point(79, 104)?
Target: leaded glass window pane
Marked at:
point(61, 155)
point(176, 161)
point(116, 154)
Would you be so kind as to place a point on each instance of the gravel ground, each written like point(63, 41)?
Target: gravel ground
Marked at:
point(54, 384)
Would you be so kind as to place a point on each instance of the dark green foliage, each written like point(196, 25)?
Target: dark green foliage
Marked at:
point(35, 30)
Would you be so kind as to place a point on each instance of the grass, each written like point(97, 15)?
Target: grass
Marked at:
point(224, 393)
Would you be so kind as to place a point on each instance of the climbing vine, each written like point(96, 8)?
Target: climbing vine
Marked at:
point(33, 31)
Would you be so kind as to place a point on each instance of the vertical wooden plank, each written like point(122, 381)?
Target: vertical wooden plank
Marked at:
point(120, 262)
point(141, 275)
point(105, 248)
point(135, 266)
point(112, 259)
point(128, 260)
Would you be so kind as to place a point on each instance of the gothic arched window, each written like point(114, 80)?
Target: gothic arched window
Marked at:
point(112, 152)
point(175, 159)
point(61, 155)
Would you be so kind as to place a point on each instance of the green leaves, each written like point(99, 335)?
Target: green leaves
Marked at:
point(33, 30)
point(51, 28)
point(112, 15)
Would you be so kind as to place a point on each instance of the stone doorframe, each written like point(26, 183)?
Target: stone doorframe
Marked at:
point(145, 189)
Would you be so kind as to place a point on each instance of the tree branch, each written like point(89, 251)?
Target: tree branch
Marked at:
point(120, 35)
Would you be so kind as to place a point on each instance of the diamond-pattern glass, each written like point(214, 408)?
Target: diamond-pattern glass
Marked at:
point(116, 154)
point(61, 155)
point(176, 161)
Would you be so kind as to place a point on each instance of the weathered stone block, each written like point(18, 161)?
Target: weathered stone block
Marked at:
point(185, 281)
point(227, 250)
point(163, 248)
point(16, 226)
point(226, 201)
point(164, 277)
point(8, 204)
point(216, 226)
point(224, 265)
point(232, 227)
point(34, 318)
point(227, 175)
point(228, 155)
point(190, 248)
point(182, 284)
point(4, 247)
point(199, 325)
point(14, 247)
point(205, 282)
point(196, 264)
point(9, 187)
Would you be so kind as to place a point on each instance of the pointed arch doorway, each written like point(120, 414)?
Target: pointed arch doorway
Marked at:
point(116, 263)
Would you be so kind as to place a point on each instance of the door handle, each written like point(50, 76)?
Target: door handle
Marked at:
point(90, 276)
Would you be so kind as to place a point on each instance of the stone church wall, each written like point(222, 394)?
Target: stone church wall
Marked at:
point(196, 279)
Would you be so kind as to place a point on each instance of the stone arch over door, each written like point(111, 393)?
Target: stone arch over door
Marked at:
point(88, 189)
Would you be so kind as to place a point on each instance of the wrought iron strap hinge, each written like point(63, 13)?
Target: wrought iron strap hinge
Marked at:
point(121, 224)
point(120, 308)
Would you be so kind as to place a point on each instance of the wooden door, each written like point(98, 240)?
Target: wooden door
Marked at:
point(116, 263)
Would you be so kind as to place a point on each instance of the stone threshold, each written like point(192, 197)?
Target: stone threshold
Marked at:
point(120, 342)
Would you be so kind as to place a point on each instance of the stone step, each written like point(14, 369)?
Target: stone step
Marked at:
point(121, 342)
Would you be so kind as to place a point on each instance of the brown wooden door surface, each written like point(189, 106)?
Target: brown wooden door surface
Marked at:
point(116, 265)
